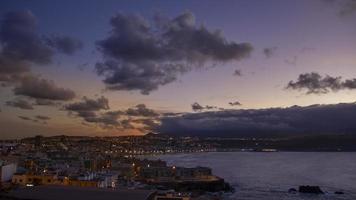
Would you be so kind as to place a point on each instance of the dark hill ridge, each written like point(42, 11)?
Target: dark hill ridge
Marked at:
point(301, 143)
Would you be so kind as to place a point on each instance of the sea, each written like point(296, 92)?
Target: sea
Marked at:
point(269, 175)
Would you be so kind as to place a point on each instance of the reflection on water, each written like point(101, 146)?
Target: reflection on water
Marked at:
point(257, 175)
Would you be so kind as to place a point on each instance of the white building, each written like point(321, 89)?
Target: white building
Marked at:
point(7, 170)
point(107, 180)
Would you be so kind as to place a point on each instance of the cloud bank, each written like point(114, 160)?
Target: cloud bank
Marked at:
point(96, 112)
point(315, 119)
point(42, 89)
point(141, 56)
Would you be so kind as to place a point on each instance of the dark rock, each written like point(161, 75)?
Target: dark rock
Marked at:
point(338, 192)
point(189, 186)
point(310, 189)
point(292, 190)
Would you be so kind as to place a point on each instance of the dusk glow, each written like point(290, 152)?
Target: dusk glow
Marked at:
point(164, 56)
point(178, 99)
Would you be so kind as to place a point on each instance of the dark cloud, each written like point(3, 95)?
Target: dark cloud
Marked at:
point(126, 124)
point(20, 103)
point(86, 115)
point(65, 44)
point(87, 104)
point(10, 80)
point(25, 118)
point(348, 8)
point(141, 56)
point(196, 107)
point(20, 41)
point(106, 120)
point(237, 72)
point(208, 107)
point(111, 118)
point(146, 77)
point(235, 103)
point(39, 88)
point(9, 69)
point(315, 119)
point(345, 7)
point(42, 117)
point(37, 119)
point(314, 83)
point(171, 114)
point(88, 110)
point(269, 52)
point(46, 102)
point(21, 46)
point(141, 110)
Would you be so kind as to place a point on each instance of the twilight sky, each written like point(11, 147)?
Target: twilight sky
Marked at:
point(185, 67)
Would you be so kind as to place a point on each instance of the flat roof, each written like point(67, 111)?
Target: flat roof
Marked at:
point(77, 193)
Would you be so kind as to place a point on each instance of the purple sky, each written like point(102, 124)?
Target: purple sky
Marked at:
point(286, 39)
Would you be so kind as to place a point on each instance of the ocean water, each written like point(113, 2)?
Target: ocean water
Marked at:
point(269, 176)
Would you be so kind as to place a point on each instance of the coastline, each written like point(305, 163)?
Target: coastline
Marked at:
point(257, 174)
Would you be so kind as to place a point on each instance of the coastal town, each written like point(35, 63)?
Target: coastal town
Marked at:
point(41, 164)
point(177, 100)
point(127, 166)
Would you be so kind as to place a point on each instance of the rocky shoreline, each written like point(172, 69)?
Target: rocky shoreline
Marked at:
point(218, 185)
